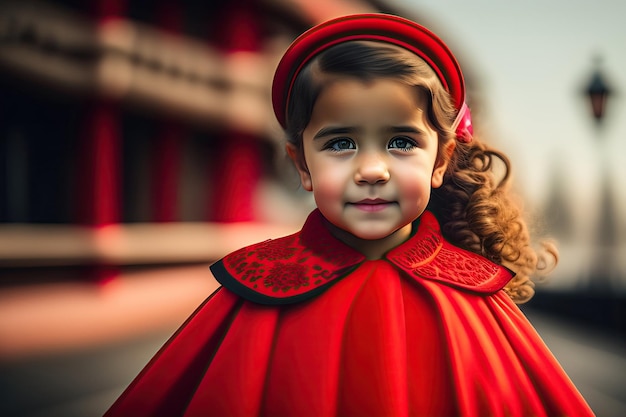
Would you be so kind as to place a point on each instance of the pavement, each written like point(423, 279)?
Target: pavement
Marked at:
point(594, 359)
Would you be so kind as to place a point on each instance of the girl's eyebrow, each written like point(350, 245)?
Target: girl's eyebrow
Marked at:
point(404, 129)
point(329, 131)
point(342, 130)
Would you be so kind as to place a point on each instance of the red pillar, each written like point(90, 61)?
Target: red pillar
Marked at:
point(166, 172)
point(167, 146)
point(238, 166)
point(99, 164)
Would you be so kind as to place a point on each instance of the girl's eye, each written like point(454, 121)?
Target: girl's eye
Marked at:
point(340, 144)
point(402, 143)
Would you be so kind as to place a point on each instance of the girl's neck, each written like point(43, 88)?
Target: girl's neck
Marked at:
point(372, 249)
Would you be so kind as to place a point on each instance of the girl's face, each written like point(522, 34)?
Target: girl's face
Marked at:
point(371, 160)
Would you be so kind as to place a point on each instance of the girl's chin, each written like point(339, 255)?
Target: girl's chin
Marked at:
point(370, 237)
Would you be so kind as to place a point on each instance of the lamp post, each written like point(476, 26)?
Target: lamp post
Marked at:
point(598, 93)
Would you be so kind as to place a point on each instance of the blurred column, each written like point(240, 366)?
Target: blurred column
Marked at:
point(99, 159)
point(166, 156)
point(165, 172)
point(98, 196)
point(14, 206)
point(99, 166)
point(238, 166)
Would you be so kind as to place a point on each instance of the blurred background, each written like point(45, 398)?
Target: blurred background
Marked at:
point(138, 145)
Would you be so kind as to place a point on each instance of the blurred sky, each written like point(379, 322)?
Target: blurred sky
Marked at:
point(532, 59)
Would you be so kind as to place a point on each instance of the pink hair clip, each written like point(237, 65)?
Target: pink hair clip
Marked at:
point(463, 125)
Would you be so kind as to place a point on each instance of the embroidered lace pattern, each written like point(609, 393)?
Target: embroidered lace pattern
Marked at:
point(293, 264)
point(429, 256)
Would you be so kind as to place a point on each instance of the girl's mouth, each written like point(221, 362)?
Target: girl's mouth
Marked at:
point(371, 205)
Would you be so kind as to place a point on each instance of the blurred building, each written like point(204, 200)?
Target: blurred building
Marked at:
point(138, 132)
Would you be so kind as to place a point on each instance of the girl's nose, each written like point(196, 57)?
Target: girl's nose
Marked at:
point(371, 169)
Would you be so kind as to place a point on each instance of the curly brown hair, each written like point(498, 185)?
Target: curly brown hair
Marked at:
point(474, 205)
point(477, 212)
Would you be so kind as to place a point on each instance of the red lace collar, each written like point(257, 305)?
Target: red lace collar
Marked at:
point(296, 267)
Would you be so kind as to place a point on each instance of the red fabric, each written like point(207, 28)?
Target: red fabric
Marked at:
point(379, 342)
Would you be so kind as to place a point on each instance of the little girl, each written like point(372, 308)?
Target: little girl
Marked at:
point(397, 296)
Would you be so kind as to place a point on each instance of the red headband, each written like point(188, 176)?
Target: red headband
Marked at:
point(373, 27)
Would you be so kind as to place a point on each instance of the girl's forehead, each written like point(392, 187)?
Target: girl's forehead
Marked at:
point(382, 101)
point(350, 84)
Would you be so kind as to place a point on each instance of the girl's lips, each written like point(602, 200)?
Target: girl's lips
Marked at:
point(371, 205)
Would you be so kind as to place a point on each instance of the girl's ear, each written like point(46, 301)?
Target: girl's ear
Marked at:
point(442, 164)
point(298, 160)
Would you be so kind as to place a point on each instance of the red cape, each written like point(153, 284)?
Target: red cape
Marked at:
point(306, 326)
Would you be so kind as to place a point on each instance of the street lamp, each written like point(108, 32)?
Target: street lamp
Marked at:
point(598, 93)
